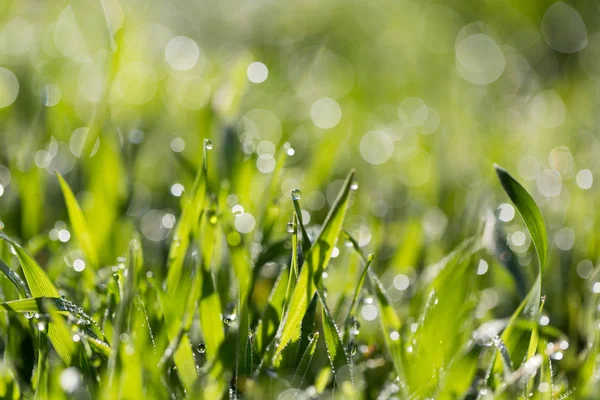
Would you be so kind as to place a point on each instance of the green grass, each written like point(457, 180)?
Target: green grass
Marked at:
point(176, 339)
point(170, 227)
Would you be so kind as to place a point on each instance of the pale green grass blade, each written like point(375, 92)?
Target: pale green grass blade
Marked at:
point(316, 261)
point(78, 222)
point(187, 224)
point(441, 329)
point(63, 343)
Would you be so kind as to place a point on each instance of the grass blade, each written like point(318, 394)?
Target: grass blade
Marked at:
point(78, 222)
point(305, 361)
point(517, 344)
point(333, 343)
point(315, 263)
point(190, 215)
point(530, 212)
point(15, 279)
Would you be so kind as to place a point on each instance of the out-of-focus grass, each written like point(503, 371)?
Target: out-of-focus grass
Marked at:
point(204, 239)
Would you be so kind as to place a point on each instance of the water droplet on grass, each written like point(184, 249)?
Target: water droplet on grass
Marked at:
point(229, 319)
point(296, 194)
point(202, 348)
point(290, 227)
point(352, 347)
point(208, 144)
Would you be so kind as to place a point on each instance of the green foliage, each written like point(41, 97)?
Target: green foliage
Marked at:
point(150, 249)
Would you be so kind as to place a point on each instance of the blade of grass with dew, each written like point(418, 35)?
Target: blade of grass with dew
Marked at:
point(40, 286)
point(59, 328)
point(443, 320)
point(388, 318)
point(271, 316)
point(124, 309)
point(536, 226)
point(242, 269)
point(78, 222)
point(315, 263)
point(336, 352)
point(304, 364)
point(350, 321)
point(306, 245)
point(209, 304)
point(190, 215)
point(179, 347)
point(275, 308)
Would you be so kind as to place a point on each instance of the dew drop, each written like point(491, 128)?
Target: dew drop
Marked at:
point(202, 348)
point(354, 185)
point(296, 194)
point(290, 227)
point(228, 320)
point(208, 144)
point(352, 347)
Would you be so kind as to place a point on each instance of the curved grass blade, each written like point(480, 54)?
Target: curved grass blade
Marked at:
point(530, 306)
point(78, 222)
point(15, 279)
point(40, 285)
point(315, 263)
point(530, 212)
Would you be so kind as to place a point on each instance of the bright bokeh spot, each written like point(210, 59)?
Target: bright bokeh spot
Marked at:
point(479, 59)
point(182, 53)
point(9, 87)
point(326, 113)
point(257, 72)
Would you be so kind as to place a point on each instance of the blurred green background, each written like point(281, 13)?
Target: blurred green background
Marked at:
point(420, 97)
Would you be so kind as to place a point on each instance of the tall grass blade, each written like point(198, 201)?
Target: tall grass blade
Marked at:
point(316, 261)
